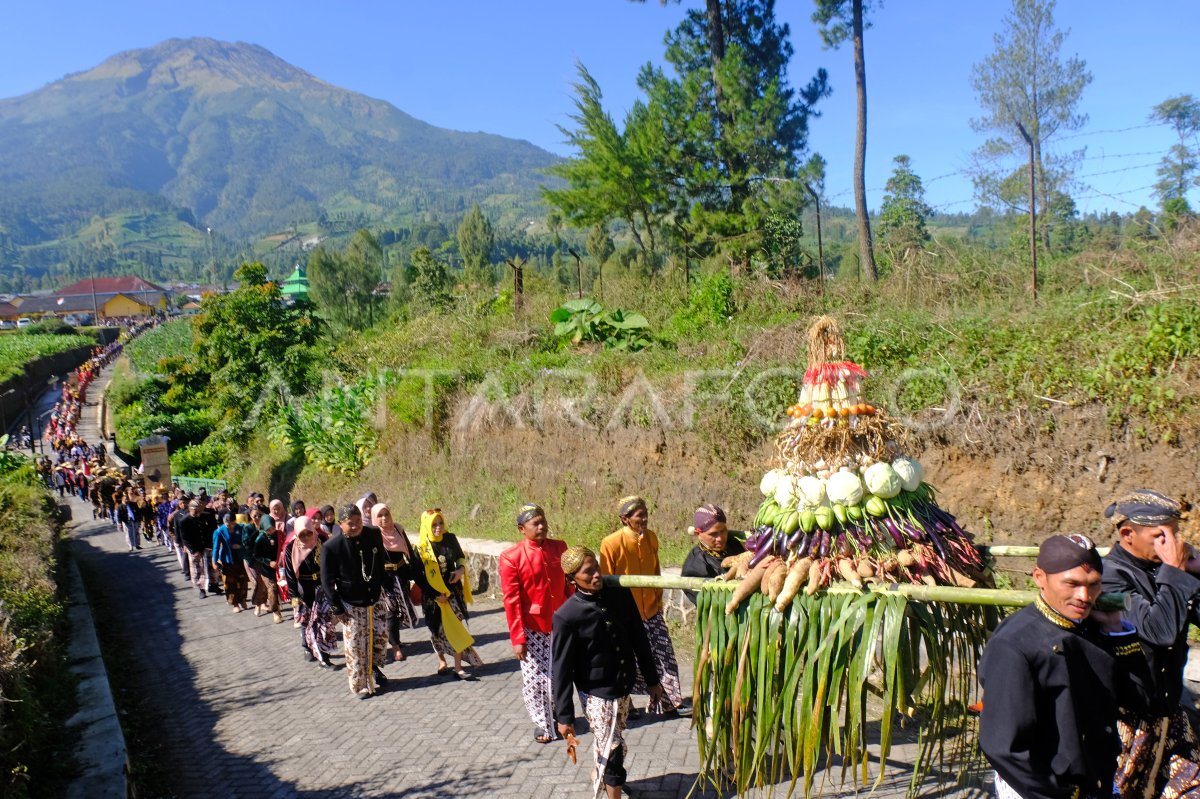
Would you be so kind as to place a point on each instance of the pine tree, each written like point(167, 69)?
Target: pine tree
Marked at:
point(476, 242)
point(902, 216)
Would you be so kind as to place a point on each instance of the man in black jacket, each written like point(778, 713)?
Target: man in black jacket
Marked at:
point(352, 567)
point(598, 645)
point(1054, 675)
point(1158, 571)
point(197, 541)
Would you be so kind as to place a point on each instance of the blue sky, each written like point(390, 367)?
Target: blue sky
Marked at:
point(507, 68)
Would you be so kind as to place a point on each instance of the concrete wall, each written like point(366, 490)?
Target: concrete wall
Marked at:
point(34, 380)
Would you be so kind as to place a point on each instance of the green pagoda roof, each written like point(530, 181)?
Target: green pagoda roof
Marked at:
point(296, 284)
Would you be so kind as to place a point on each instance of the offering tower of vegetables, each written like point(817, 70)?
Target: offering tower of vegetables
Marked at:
point(821, 654)
point(844, 502)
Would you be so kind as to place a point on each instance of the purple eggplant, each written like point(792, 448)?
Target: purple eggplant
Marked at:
point(805, 543)
point(759, 556)
point(937, 544)
point(823, 549)
point(894, 531)
point(794, 540)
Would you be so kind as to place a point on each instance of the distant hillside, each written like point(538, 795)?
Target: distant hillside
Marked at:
point(152, 146)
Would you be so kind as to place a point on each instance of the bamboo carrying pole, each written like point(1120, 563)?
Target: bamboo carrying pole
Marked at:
point(920, 593)
point(1003, 551)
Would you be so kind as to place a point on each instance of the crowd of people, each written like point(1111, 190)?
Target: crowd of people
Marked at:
point(1078, 701)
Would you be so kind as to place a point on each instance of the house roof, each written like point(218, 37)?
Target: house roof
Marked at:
point(84, 302)
point(127, 284)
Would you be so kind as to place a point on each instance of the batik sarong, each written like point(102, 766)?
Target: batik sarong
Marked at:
point(320, 635)
point(233, 582)
point(535, 681)
point(1160, 758)
point(400, 611)
point(607, 718)
point(366, 645)
point(201, 578)
point(664, 661)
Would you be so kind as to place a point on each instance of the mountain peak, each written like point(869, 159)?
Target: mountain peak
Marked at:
point(203, 64)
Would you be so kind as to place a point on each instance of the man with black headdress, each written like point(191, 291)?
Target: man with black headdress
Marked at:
point(352, 566)
point(713, 545)
point(1054, 675)
point(1158, 571)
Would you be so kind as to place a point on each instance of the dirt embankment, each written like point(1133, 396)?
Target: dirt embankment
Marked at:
point(1015, 481)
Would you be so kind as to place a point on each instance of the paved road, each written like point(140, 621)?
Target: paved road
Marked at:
point(242, 715)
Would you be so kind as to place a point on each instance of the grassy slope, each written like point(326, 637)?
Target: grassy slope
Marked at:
point(968, 324)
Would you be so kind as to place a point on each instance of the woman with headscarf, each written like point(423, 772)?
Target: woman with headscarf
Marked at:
point(267, 555)
point(445, 605)
point(278, 520)
point(365, 504)
point(302, 569)
point(328, 520)
point(634, 550)
point(400, 567)
point(598, 646)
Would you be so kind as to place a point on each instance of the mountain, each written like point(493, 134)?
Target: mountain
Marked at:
point(195, 133)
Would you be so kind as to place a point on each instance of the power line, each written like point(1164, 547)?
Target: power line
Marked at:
point(1111, 130)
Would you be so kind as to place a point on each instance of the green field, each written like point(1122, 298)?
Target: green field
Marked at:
point(165, 341)
point(18, 349)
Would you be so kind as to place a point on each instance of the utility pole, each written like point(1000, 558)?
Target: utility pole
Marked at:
point(518, 267)
point(578, 271)
point(820, 246)
point(95, 305)
point(212, 261)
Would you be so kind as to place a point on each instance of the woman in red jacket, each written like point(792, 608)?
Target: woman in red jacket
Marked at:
point(534, 586)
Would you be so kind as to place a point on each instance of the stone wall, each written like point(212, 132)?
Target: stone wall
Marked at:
point(483, 564)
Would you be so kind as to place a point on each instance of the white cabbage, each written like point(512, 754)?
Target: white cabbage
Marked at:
point(769, 482)
point(811, 492)
point(844, 488)
point(882, 480)
point(910, 471)
point(785, 492)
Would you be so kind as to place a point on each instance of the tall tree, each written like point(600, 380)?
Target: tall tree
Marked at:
point(1180, 168)
point(841, 20)
point(902, 215)
point(731, 120)
point(249, 337)
point(343, 284)
point(814, 184)
point(613, 176)
point(1029, 94)
point(366, 270)
point(476, 241)
point(428, 280)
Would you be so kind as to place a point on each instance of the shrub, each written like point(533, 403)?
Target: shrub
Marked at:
point(35, 693)
point(586, 320)
point(209, 458)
